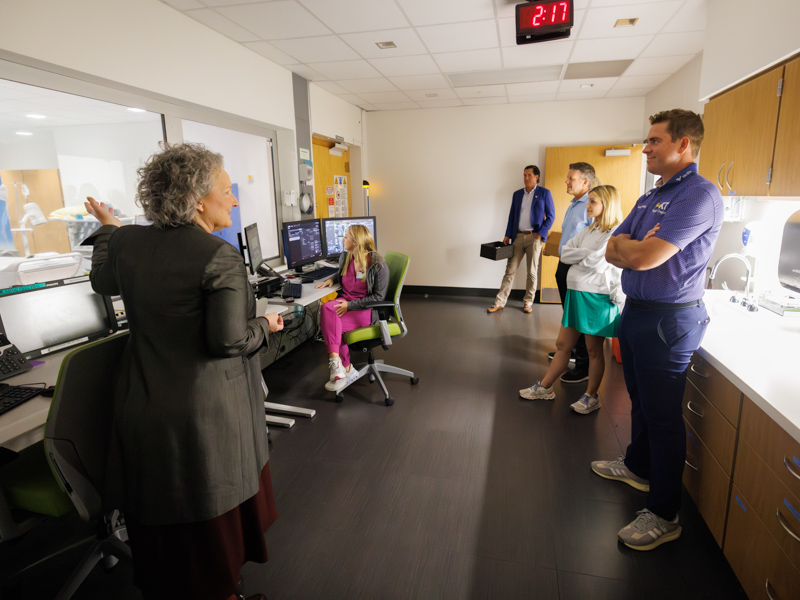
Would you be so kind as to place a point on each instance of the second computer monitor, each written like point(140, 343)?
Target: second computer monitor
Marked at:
point(302, 242)
point(334, 230)
point(253, 247)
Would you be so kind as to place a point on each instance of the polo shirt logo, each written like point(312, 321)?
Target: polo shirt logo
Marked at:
point(661, 207)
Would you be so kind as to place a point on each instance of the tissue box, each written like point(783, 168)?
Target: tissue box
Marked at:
point(496, 251)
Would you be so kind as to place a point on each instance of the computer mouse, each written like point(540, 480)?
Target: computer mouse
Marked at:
point(48, 391)
point(288, 299)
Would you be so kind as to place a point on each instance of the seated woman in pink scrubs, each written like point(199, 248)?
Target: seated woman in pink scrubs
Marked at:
point(364, 276)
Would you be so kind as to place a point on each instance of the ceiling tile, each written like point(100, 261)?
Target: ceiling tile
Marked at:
point(603, 3)
point(378, 84)
point(275, 20)
point(599, 84)
point(326, 48)
point(637, 93)
point(269, 51)
point(347, 16)
point(351, 69)
point(478, 101)
point(434, 103)
point(481, 91)
point(384, 97)
point(184, 4)
point(421, 82)
point(657, 65)
point(609, 49)
point(367, 106)
point(229, 2)
point(332, 87)
point(652, 17)
point(533, 55)
point(406, 40)
point(469, 60)
point(353, 99)
point(532, 89)
point(405, 65)
point(307, 72)
point(396, 106)
point(691, 17)
point(459, 36)
point(640, 81)
point(532, 98)
point(218, 23)
point(676, 44)
point(580, 95)
point(427, 12)
point(432, 94)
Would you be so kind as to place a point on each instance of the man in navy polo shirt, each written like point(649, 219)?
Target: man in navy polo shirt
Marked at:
point(663, 247)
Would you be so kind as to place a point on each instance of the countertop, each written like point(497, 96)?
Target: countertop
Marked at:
point(757, 352)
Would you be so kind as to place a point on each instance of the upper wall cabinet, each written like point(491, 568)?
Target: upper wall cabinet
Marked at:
point(740, 152)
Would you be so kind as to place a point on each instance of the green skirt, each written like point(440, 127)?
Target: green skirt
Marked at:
point(590, 313)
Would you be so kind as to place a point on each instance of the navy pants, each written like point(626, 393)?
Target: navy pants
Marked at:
point(656, 346)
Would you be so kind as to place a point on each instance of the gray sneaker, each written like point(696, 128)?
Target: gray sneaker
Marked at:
point(649, 531)
point(586, 404)
point(616, 469)
point(537, 392)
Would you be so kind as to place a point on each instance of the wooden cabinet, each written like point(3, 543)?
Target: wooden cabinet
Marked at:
point(751, 136)
point(711, 407)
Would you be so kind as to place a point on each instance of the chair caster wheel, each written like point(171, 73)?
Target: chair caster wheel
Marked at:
point(371, 378)
point(339, 398)
point(389, 401)
point(414, 380)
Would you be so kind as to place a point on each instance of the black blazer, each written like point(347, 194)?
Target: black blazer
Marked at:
point(189, 438)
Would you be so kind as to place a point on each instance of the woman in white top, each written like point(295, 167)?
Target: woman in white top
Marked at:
point(592, 304)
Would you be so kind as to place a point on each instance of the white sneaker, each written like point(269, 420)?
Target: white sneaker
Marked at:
point(537, 392)
point(350, 376)
point(337, 370)
point(586, 404)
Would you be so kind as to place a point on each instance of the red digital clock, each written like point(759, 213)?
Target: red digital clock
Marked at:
point(542, 20)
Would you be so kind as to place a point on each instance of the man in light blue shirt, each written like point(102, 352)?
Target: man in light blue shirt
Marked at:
point(580, 179)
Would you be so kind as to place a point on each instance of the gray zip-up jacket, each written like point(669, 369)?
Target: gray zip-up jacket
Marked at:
point(377, 283)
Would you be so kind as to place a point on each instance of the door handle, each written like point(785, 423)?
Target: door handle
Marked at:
point(719, 184)
point(690, 465)
point(693, 411)
point(785, 525)
point(728, 183)
point(787, 463)
point(696, 372)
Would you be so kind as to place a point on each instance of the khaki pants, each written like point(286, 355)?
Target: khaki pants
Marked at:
point(531, 247)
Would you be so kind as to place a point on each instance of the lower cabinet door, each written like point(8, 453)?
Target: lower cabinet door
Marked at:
point(761, 566)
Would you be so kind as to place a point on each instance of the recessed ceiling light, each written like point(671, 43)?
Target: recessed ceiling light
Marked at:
point(431, 95)
point(625, 22)
point(385, 45)
point(24, 133)
point(587, 85)
point(137, 110)
point(36, 116)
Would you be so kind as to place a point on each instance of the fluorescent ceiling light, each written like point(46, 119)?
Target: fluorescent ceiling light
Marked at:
point(24, 133)
point(137, 110)
point(587, 85)
point(503, 76)
point(385, 45)
point(36, 116)
point(594, 70)
point(431, 95)
point(625, 22)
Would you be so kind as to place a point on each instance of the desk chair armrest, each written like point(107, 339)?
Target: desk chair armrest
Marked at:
point(379, 304)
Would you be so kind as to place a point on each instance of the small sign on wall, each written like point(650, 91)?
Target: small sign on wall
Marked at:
point(331, 207)
point(305, 154)
point(340, 195)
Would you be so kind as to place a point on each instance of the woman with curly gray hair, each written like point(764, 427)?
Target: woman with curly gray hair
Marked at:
point(188, 458)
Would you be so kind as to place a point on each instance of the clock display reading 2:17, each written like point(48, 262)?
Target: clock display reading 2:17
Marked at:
point(545, 15)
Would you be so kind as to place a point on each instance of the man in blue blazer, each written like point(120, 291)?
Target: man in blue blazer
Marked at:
point(531, 217)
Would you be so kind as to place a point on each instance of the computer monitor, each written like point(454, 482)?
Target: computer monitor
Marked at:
point(789, 259)
point(41, 318)
point(302, 242)
point(253, 246)
point(334, 230)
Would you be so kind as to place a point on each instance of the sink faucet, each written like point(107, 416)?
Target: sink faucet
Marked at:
point(746, 283)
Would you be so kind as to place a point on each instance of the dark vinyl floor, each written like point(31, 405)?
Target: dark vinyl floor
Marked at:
point(460, 490)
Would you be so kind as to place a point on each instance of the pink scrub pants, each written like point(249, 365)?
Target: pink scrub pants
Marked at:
point(333, 327)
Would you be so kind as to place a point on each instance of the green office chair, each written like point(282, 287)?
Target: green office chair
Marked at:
point(391, 325)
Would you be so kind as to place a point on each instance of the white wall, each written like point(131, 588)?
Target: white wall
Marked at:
point(441, 180)
point(332, 116)
point(743, 37)
point(680, 90)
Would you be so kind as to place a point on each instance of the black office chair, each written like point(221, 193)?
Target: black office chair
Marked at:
point(391, 325)
point(76, 437)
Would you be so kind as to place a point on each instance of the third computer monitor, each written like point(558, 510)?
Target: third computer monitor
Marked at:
point(302, 242)
point(334, 230)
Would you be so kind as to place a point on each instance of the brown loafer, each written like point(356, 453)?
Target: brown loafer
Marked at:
point(528, 308)
point(494, 308)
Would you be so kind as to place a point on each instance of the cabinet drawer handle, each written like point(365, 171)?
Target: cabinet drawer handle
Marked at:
point(696, 372)
point(690, 465)
point(785, 525)
point(788, 464)
point(693, 411)
point(766, 587)
point(719, 184)
point(728, 183)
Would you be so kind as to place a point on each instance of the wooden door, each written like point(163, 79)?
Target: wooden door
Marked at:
point(327, 167)
point(45, 190)
point(785, 174)
point(623, 172)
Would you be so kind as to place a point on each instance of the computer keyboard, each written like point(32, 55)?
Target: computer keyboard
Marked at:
point(14, 395)
point(319, 273)
point(292, 290)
